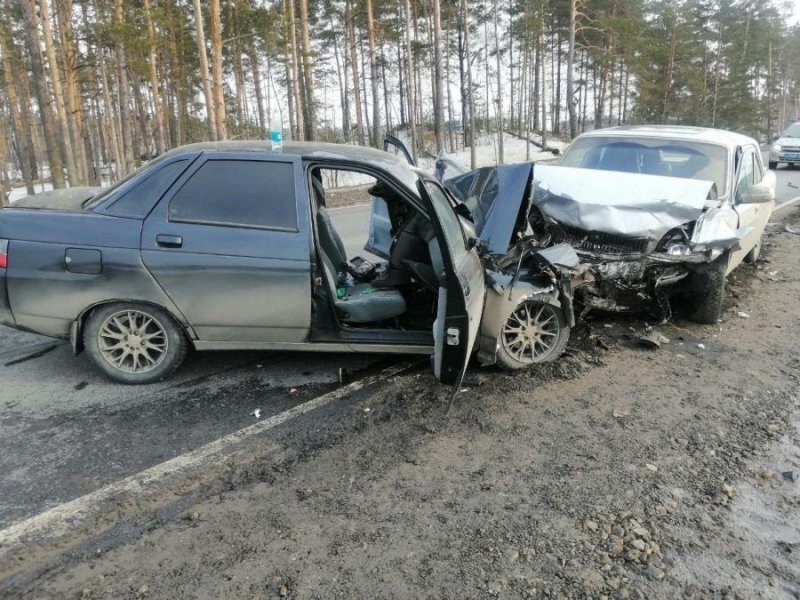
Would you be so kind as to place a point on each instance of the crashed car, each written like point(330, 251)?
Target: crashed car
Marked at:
point(656, 212)
point(223, 246)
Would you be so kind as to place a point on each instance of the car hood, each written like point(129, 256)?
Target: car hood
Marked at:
point(625, 204)
point(788, 141)
point(62, 199)
point(498, 199)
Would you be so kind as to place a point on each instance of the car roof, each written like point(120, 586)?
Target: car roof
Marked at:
point(728, 139)
point(386, 161)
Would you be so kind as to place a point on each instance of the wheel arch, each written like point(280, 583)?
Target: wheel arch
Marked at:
point(78, 325)
point(499, 306)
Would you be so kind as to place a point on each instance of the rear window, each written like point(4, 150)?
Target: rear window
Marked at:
point(139, 200)
point(238, 193)
point(668, 158)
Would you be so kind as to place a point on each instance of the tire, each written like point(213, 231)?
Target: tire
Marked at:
point(709, 296)
point(755, 252)
point(114, 339)
point(773, 166)
point(541, 323)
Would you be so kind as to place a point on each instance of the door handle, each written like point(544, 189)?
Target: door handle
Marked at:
point(169, 241)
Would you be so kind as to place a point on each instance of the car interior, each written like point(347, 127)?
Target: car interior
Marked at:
point(399, 293)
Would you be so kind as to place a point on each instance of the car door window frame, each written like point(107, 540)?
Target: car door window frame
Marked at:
point(239, 157)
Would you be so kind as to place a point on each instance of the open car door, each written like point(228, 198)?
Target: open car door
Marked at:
point(461, 286)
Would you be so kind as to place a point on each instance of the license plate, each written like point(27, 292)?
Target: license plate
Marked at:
point(792, 155)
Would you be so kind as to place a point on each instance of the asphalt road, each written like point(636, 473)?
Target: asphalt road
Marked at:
point(66, 431)
point(788, 184)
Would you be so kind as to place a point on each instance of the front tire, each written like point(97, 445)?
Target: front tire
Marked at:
point(535, 332)
point(773, 166)
point(134, 343)
point(709, 297)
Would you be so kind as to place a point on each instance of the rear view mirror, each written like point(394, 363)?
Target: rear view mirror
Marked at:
point(763, 191)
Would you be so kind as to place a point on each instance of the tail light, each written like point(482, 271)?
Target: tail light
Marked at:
point(3, 254)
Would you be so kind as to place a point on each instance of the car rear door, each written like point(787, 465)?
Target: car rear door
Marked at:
point(461, 291)
point(230, 244)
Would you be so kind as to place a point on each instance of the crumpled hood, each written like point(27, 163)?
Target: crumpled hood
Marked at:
point(626, 204)
point(62, 199)
point(499, 200)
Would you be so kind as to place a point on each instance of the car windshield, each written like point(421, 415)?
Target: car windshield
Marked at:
point(793, 131)
point(669, 158)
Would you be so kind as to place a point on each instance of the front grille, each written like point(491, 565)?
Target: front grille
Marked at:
point(790, 148)
point(603, 243)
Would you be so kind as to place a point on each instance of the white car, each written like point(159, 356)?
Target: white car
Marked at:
point(786, 149)
point(658, 211)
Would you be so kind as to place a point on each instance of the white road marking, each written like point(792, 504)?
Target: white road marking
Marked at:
point(786, 204)
point(58, 520)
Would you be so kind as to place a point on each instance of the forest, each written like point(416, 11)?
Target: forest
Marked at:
point(91, 89)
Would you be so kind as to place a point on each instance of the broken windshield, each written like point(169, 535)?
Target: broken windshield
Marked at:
point(668, 158)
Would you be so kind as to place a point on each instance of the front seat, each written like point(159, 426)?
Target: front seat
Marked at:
point(361, 303)
point(329, 239)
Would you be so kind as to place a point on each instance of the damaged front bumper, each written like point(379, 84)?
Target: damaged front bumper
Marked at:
point(639, 282)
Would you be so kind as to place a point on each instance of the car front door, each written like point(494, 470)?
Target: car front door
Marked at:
point(230, 244)
point(461, 289)
point(753, 217)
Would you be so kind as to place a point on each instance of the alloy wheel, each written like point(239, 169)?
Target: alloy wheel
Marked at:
point(132, 341)
point(531, 332)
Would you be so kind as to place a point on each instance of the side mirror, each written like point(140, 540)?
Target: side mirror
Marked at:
point(763, 191)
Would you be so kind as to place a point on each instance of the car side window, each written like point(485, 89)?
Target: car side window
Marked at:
point(238, 193)
point(746, 175)
point(138, 201)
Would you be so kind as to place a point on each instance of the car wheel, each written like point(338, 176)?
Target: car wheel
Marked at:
point(134, 343)
point(710, 292)
point(755, 252)
point(534, 332)
point(773, 165)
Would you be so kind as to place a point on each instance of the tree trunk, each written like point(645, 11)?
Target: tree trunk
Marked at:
point(175, 71)
point(65, 134)
point(76, 113)
point(543, 60)
point(204, 74)
point(573, 124)
point(450, 119)
point(124, 93)
point(309, 117)
point(158, 113)
point(500, 152)
point(341, 74)
point(470, 95)
point(18, 127)
point(373, 73)
point(39, 84)
point(257, 84)
point(411, 83)
point(216, 70)
point(438, 97)
point(350, 28)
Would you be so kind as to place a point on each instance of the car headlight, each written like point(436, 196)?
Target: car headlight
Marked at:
point(776, 147)
point(678, 249)
point(676, 241)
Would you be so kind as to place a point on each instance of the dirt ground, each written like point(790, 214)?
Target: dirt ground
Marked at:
point(616, 472)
